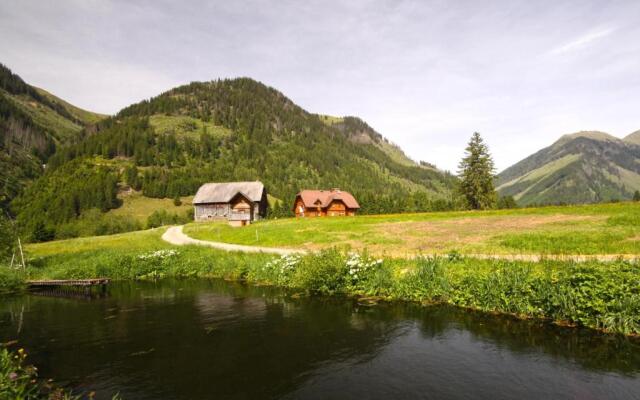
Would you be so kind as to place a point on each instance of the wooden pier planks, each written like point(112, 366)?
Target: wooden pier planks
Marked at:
point(69, 282)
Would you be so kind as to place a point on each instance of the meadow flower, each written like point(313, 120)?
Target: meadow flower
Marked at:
point(359, 265)
point(158, 255)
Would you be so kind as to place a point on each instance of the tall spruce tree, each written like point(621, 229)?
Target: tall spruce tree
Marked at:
point(476, 173)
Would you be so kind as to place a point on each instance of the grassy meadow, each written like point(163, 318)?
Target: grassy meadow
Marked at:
point(612, 228)
point(138, 207)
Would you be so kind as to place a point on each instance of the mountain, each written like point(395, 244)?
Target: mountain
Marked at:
point(633, 138)
point(33, 123)
point(228, 130)
point(582, 167)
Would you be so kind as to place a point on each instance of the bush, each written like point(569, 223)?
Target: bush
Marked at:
point(11, 280)
point(162, 217)
point(324, 272)
point(7, 238)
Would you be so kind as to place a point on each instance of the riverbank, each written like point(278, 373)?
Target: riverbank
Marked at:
point(598, 295)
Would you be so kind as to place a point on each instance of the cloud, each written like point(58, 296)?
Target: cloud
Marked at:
point(583, 41)
point(426, 74)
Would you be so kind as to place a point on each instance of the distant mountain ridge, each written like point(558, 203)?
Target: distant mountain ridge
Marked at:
point(33, 123)
point(583, 167)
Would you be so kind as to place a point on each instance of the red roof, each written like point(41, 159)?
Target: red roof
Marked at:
point(310, 198)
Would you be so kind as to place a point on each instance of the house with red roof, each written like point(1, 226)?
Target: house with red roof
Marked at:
point(325, 203)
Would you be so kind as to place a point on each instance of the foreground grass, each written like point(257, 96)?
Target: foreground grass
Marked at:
point(588, 229)
point(19, 380)
point(597, 295)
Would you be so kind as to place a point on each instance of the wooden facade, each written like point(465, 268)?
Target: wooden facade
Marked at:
point(325, 203)
point(240, 203)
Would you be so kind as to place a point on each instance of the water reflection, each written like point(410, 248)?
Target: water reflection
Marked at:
point(214, 339)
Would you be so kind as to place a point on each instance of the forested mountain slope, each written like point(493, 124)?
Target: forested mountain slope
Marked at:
point(583, 167)
point(230, 130)
point(33, 123)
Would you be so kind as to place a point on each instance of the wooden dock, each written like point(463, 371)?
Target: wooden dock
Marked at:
point(69, 282)
point(61, 286)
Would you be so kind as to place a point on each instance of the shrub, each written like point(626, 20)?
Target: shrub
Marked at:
point(11, 280)
point(162, 217)
point(324, 272)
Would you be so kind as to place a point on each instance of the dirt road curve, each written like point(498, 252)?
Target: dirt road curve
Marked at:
point(174, 235)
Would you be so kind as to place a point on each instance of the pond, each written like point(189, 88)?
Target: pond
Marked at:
point(206, 339)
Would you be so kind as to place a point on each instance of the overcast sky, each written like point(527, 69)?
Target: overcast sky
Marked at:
point(426, 74)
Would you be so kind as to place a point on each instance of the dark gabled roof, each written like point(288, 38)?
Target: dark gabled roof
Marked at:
point(224, 192)
point(310, 198)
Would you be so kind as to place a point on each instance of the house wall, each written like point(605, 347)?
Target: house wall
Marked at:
point(211, 212)
point(335, 209)
point(308, 211)
point(221, 211)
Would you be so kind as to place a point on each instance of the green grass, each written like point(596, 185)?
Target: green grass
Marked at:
point(597, 295)
point(122, 256)
point(330, 119)
point(137, 206)
point(590, 229)
point(185, 126)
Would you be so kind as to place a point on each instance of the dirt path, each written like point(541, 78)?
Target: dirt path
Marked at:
point(174, 235)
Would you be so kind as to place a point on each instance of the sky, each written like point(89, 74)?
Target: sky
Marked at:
point(425, 74)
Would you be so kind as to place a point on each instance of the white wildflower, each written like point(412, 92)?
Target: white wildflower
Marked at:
point(358, 265)
point(285, 263)
point(158, 255)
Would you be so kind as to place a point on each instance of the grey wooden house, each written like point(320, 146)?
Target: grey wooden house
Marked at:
point(240, 203)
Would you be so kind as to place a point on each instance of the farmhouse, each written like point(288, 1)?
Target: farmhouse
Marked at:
point(240, 203)
point(322, 203)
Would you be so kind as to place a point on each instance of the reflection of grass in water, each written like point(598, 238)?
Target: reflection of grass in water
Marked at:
point(590, 229)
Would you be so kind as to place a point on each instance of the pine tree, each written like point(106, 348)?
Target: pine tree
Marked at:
point(476, 173)
point(636, 195)
point(7, 238)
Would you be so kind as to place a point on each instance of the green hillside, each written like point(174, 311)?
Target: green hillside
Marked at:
point(230, 130)
point(583, 167)
point(33, 124)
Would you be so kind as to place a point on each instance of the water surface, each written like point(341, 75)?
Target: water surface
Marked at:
point(206, 339)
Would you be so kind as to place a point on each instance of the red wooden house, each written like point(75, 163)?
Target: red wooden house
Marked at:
point(323, 203)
